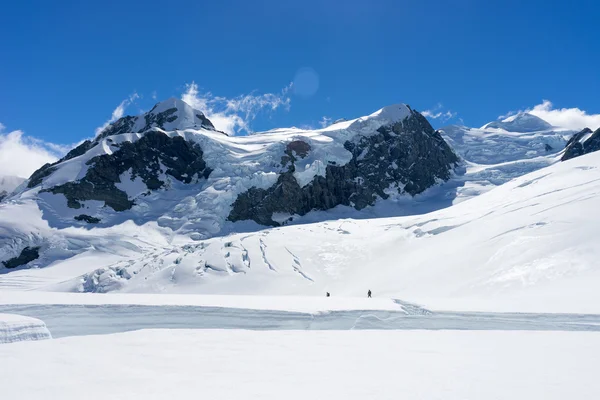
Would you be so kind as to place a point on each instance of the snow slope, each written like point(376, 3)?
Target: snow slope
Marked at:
point(238, 364)
point(527, 245)
point(16, 328)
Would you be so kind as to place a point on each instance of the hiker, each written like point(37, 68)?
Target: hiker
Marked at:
point(369, 294)
point(328, 294)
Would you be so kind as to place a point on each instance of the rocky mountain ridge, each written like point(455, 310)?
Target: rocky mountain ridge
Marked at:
point(169, 167)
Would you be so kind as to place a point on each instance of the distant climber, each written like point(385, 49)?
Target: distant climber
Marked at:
point(328, 295)
point(369, 293)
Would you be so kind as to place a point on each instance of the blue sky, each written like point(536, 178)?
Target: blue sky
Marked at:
point(67, 65)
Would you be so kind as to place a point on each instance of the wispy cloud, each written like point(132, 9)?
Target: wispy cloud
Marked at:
point(236, 114)
point(438, 112)
point(21, 155)
point(567, 118)
point(325, 121)
point(118, 112)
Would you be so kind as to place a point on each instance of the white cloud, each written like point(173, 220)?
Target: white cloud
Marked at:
point(325, 122)
point(154, 95)
point(118, 112)
point(21, 155)
point(568, 118)
point(437, 113)
point(235, 115)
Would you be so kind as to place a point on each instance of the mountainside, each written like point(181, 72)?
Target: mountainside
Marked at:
point(171, 169)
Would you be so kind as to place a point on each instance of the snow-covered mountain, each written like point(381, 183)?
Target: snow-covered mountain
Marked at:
point(521, 137)
point(171, 169)
point(503, 150)
point(522, 122)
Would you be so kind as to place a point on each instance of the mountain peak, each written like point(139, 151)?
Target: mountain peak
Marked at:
point(171, 102)
point(170, 114)
point(393, 113)
point(176, 114)
point(521, 122)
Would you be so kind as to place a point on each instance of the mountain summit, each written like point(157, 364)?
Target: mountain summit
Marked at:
point(169, 115)
point(521, 122)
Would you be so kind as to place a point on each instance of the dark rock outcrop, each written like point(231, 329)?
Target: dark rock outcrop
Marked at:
point(408, 155)
point(293, 150)
point(144, 157)
point(577, 146)
point(87, 218)
point(27, 255)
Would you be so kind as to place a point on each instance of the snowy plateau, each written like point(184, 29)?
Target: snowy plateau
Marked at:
point(168, 259)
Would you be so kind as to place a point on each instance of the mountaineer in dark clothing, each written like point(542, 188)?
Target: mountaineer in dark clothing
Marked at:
point(328, 294)
point(369, 293)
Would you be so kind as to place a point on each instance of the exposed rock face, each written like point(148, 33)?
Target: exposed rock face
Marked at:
point(87, 218)
point(28, 254)
point(408, 157)
point(294, 149)
point(145, 159)
point(3, 194)
point(582, 143)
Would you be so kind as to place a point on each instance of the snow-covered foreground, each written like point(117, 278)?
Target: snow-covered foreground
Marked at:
point(16, 328)
point(237, 364)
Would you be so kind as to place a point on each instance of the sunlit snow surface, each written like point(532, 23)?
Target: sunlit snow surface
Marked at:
point(237, 364)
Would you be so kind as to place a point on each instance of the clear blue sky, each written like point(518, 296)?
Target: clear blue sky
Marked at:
point(67, 64)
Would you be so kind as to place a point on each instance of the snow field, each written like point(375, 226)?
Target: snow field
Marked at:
point(237, 364)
